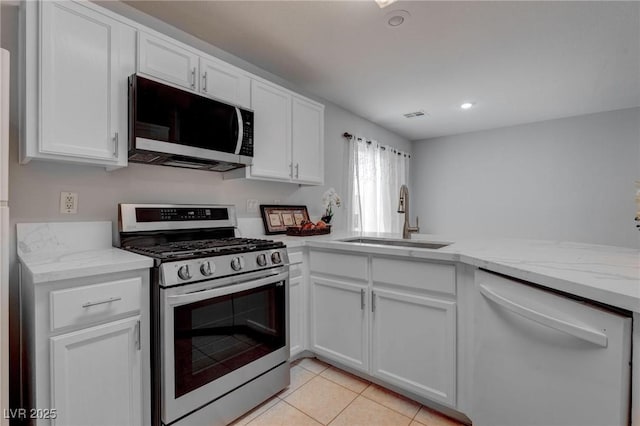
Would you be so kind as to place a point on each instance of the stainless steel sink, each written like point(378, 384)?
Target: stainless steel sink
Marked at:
point(399, 243)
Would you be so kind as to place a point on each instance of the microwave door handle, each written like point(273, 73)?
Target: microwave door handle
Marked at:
point(240, 131)
point(196, 296)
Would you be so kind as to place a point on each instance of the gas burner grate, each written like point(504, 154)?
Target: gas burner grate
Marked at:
point(207, 247)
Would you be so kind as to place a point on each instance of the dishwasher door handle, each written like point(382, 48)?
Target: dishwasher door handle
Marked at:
point(577, 330)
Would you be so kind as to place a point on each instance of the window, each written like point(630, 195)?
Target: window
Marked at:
point(376, 174)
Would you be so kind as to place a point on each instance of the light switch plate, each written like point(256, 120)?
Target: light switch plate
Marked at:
point(69, 202)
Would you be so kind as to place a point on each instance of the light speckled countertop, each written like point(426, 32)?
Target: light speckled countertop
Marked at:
point(606, 274)
point(610, 275)
point(65, 250)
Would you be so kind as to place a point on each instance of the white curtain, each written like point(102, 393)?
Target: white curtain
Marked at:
point(377, 172)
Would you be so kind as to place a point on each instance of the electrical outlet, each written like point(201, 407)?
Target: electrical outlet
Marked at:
point(69, 202)
point(252, 206)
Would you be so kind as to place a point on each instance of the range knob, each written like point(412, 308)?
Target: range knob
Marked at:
point(184, 273)
point(276, 258)
point(262, 259)
point(237, 263)
point(207, 268)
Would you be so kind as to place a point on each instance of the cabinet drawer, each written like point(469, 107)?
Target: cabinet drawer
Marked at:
point(295, 257)
point(419, 275)
point(343, 265)
point(295, 262)
point(94, 303)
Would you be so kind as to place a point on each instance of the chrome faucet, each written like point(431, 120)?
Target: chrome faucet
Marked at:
point(403, 207)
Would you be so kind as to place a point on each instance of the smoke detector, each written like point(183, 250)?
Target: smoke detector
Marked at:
point(395, 18)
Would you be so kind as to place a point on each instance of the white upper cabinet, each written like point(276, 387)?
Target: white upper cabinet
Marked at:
point(81, 59)
point(182, 66)
point(288, 137)
point(224, 82)
point(167, 61)
point(78, 59)
point(307, 141)
point(272, 131)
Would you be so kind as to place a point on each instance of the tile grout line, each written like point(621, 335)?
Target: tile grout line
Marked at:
point(393, 409)
point(336, 416)
point(369, 384)
point(360, 393)
point(306, 414)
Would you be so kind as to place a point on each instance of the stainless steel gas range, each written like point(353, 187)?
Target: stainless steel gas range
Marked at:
point(219, 307)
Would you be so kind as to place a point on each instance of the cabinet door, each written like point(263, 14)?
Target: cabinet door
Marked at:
point(414, 344)
point(96, 375)
point(224, 82)
point(296, 307)
point(79, 74)
point(272, 131)
point(307, 141)
point(167, 61)
point(339, 321)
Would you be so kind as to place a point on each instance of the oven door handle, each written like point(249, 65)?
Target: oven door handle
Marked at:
point(196, 296)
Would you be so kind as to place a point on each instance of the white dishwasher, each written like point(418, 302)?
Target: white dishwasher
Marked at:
point(545, 359)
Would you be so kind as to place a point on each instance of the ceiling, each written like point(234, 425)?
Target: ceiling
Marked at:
point(517, 61)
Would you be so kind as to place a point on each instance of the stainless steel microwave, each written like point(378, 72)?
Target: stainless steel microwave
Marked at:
point(173, 127)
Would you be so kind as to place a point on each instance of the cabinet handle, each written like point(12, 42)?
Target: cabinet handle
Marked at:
point(204, 82)
point(115, 145)
point(137, 335)
point(362, 299)
point(101, 302)
point(547, 319)
point(373, 301)
point(193, 78)
point(297, 170)
point(291, 170)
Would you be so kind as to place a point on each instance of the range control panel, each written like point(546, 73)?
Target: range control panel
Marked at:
point(180, 214)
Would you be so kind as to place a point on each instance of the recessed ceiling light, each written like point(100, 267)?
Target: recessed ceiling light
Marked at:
point(384, 3)
point(395, 18)
point(467, 105)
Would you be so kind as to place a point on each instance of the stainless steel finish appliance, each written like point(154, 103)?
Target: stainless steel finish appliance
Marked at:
point(546, 358)
point(220, 335)
point(173, 127)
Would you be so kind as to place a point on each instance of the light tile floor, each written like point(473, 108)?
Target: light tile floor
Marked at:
point(320, 394)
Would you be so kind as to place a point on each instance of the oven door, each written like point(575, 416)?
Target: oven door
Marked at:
point(219, 335)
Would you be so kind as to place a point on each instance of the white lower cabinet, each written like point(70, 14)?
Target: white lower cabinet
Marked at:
point(298, 301)
point(86, 342)
point(296, 306)
point(391, 318)
point(414, 343)
point(96, 375)
point(339, 321)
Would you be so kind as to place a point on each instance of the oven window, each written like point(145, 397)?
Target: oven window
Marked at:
point(217, 336)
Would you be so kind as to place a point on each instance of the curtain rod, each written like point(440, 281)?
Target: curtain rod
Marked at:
point(349, 136)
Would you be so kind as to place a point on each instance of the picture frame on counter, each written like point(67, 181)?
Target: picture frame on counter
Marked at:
point(277, 218)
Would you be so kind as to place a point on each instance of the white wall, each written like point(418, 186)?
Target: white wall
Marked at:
point(568, 179)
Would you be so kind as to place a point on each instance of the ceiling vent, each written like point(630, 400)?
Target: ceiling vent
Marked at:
point(414, 114)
